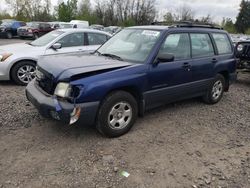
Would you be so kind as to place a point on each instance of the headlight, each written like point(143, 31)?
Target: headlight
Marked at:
point(240, 48)
point(63, 90)
point(5, 56)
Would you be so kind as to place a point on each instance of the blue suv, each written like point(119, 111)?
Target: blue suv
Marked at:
point(8, 28)
point(138, 69)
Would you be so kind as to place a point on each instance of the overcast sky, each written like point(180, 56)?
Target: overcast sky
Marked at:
point(217, 8)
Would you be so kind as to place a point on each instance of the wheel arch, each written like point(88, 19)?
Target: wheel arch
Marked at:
point(135, 92)
point(225, 74)
point(19, 61)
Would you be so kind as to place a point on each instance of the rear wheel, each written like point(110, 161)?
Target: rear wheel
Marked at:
point(216, 90)
point(22, 73)
point(117, 114)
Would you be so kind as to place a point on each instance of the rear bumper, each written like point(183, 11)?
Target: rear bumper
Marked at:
point(46, 106)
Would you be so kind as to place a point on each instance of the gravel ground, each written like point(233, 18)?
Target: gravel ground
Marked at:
point(12, 41)
point(185, 144)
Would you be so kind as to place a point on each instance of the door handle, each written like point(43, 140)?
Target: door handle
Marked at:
point(214, 60)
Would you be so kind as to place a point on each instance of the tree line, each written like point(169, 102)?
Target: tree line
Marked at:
point(105, 12)
point(117, 12)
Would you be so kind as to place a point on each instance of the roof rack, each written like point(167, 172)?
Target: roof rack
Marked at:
point(188, 24)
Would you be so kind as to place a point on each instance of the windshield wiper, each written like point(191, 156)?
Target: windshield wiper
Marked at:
point(111, 55)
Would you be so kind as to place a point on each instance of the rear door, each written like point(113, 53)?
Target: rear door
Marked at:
point(95, 40)
point(225, 51)
point(203, 60)
point(71, 43)
point(170, 81)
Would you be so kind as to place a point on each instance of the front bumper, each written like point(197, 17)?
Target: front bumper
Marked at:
point(46, 106)
point(25, 34)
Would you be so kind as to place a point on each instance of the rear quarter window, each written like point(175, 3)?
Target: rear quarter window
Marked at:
point(222, 42)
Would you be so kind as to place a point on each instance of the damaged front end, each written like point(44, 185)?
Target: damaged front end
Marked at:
point(243, 55)
point(62, 105)
point(68, 93)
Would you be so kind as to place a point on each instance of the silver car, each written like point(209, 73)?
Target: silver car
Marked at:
point(18, 61)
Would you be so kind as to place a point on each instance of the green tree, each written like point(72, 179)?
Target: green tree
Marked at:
point(86, 13)
point(67, 11)
point(228, 25)
point(243, 18)
point(169, 18)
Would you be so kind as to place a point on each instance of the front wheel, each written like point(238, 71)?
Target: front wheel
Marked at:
point(216, 90)
point(24, 72)
point(9, 35)
point(117, 114)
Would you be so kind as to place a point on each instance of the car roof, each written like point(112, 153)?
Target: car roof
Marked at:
point(154, 27)
point(164, 27)
point(74, 30)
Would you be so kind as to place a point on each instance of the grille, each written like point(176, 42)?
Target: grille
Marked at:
point(45, 81)
point(22, 30)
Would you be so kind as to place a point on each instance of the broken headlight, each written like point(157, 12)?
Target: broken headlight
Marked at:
point(63, 90)
point(5, 56)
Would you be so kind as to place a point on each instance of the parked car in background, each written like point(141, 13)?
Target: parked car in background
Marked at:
point(243, 53)
point(34, 30)
point(61, 25)
point(18, 61)
point(112, 29)
point(79, 24)
point(98, 27)
point(8, 28)
point(138, 69)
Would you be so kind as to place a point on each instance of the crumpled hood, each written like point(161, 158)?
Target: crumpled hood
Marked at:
point(15, 48)
point(65, 66)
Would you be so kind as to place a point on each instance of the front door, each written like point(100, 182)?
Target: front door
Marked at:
point(71, 43)
point(169, 81)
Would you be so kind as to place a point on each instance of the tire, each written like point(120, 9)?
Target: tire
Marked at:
point(121, 109)
point(26, 68)
point(9, 35)
point(216, 90)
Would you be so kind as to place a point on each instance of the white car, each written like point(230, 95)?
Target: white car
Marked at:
point(18, 61)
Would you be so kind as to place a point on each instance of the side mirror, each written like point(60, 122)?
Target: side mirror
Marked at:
point(56, 46)
point(165, 57)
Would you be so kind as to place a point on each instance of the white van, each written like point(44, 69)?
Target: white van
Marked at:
point(79, 23)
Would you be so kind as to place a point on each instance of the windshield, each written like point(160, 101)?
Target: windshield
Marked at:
point(6, 23)
point(33, 24)
point(131, 44)
point(46, 39)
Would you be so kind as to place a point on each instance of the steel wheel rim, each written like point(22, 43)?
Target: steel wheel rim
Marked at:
point(26, 73)
point(120, 115)
point(217, 89)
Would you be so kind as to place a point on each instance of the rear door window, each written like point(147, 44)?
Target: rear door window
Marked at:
point(201, 45)
point(222, 42)
point(73, 39)
point(178, 45)
point(96, 38)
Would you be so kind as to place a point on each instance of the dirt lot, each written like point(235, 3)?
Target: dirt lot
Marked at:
point(12, 41)
point(186, 144)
